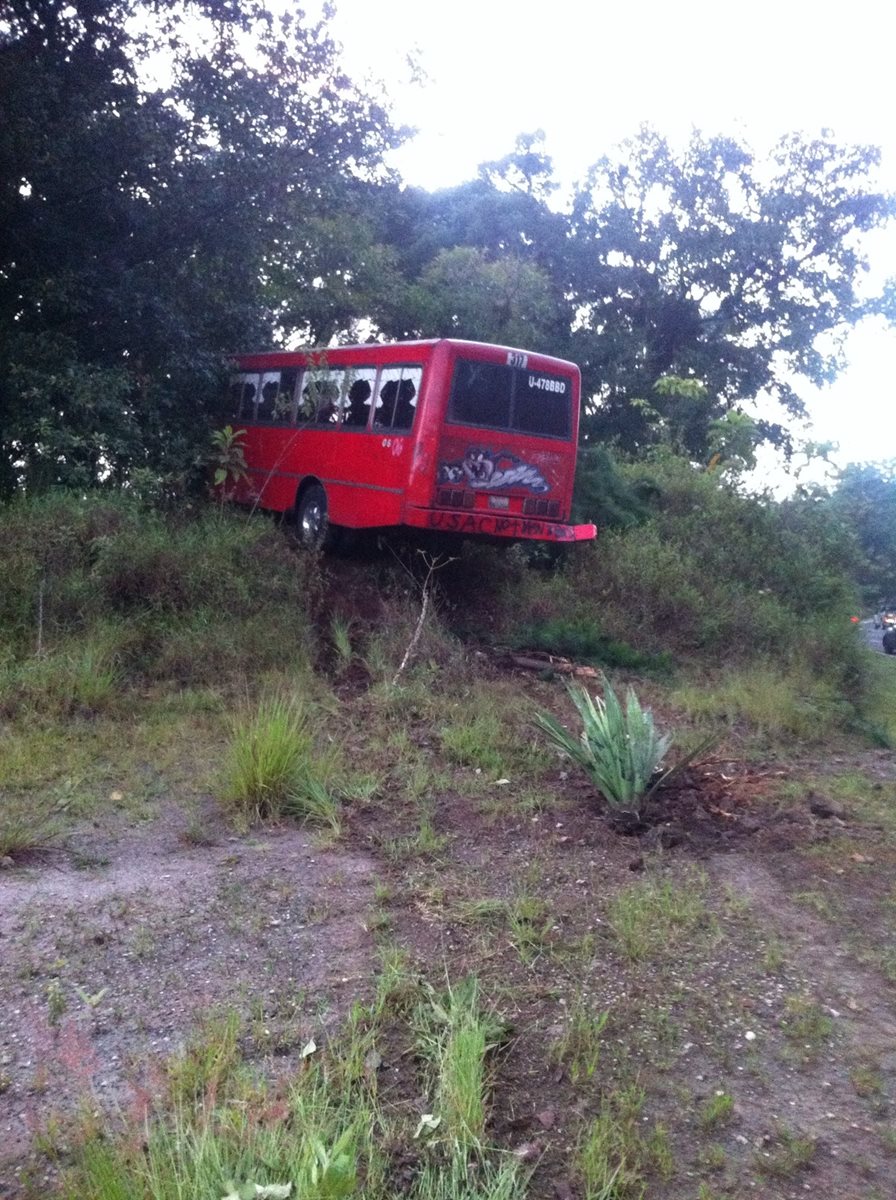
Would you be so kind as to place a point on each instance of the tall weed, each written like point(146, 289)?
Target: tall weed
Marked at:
point(455, 1034)
point(269, 771)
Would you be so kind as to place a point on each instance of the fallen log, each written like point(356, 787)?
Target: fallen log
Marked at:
point(533, 661)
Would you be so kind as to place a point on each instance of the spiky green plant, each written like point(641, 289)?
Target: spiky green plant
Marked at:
point(620, 749)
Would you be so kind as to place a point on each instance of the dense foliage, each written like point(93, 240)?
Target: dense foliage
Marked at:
point(145, 222)
point(181, 179)
point(864, 504)
point(729, 274)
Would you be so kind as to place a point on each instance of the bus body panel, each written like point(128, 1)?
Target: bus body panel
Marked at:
point(441, 473)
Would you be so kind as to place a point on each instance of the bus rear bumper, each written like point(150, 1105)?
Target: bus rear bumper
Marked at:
point(497, 525)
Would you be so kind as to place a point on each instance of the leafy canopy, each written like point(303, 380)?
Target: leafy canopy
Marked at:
point(144, 221)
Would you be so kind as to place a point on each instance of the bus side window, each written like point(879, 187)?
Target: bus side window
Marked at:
point(284, 406)
point(358, 398)
point(397, 399)
point(242, 396)
point(246, 389)
point(322, 397)
point(307, 402)
point(270, 386)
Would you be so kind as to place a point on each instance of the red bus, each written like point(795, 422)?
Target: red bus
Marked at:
point(449, 436)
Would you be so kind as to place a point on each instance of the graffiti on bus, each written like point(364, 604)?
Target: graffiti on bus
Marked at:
point(488, 469)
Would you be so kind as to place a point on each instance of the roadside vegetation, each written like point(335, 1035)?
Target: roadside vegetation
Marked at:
point(298, 897)
point(554, 1002)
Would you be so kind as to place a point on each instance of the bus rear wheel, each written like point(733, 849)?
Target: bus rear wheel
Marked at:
point(313, 528)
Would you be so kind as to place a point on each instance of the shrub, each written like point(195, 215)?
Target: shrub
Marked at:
point(270, 772)
point(183, 595)
point(619, 749)
point(713, 572)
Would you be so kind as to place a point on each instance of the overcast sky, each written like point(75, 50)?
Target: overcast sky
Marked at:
point(589, 74)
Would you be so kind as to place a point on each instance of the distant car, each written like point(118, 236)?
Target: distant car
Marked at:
point(885, 617)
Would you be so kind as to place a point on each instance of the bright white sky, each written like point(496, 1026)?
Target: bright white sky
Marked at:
point(589, 73)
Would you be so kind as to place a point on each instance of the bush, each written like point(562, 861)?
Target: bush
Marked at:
point(620, 749)
point(190, 597)
point(715, 574)
point(269, 772)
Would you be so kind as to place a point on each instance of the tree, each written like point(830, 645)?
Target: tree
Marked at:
point(144, 222)
point(463, 293)
point(864, 501)
point(712, 265)
point(461, 249)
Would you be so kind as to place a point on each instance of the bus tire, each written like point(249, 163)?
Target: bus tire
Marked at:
point(313, 528)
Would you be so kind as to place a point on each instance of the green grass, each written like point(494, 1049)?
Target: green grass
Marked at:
point(455, 1034)
point(461, 1179)
point(525, 918)
point(320, 1146)
point(530, 922)
point(219, 1130)
point(877, 708)
point(26, 823)
point(650, 919)
point(270, 772)
point(770, 699)
point(616, 1153)
point(208, 1064)
point(787, 1156)
point(860, 794)
point(818, 902)
point(341, 639)
point(807, 1027)
point(78, 677)
point(579, 1046)
point(426, 842)
point(649, 1003)
point(717, 1110)
point(476, 741)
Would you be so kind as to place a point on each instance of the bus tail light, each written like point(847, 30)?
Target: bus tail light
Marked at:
point(455, 498)
point(542, 508)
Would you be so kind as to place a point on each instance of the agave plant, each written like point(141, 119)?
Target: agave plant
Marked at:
point(621, 750)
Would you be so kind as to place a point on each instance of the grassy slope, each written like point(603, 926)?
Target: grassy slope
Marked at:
point(605, 1046)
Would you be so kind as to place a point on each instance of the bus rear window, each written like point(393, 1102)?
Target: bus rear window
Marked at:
point(496, 396)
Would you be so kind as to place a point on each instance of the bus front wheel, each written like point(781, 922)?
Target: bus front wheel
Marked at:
point(313, 528)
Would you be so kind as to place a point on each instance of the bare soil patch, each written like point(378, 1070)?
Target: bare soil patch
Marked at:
point(764, 1002)
point(114, 948)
